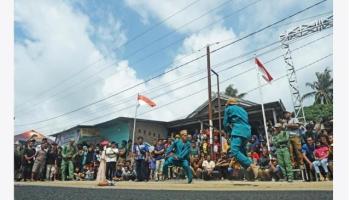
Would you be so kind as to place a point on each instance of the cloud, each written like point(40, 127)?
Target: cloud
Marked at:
point(61, 38)
point(160, 10)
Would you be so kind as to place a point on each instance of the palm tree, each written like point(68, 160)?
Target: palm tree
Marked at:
point(233, 92)
point(322, 88)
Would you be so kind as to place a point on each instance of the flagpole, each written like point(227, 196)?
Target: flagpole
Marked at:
point(133, 131)
point(263, 112)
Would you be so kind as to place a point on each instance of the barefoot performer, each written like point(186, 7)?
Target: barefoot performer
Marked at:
point(181, 156)
point(236, 123)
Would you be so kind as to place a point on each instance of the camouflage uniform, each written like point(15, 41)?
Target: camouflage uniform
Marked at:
point(281, 142)
point(68, 153)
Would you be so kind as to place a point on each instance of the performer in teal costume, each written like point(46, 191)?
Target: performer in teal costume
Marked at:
point(181, 156)
point(236, 123)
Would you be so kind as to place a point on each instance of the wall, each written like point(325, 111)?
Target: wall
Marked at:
point(149, 131)
point(64, 137)
point(116, 132)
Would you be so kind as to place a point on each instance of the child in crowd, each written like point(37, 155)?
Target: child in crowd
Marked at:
point(89, 174)
point(321, 159)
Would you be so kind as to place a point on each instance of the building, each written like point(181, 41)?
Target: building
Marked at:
point(121, 128)
point(117, 130)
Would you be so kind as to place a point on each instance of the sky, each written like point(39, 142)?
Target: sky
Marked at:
point(69, 54)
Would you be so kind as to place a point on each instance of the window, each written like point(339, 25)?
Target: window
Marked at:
point(139, 130)
point(158, 135)
point(149, 133)
point(154, 134)
point(144, 132)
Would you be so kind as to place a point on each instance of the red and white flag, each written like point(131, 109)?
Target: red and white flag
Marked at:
point(145, 100)
point(265, 74)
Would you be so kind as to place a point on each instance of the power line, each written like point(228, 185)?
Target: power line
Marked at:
point(251, 90)
point(161, 74)
point(237, 64)
point(155, 52)
point(125, 44)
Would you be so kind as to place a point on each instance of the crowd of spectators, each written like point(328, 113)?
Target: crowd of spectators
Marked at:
point(43, 161)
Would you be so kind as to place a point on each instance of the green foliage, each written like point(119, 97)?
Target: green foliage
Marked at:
point(318, 111)
point(322, 88)
point(233, 92)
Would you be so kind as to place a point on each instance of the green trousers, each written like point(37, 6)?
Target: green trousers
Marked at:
point(283, 158)
point(64, 165)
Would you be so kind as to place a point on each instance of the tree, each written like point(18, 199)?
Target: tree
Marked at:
point(322, 88)
point(318, 111)
point(233, 92)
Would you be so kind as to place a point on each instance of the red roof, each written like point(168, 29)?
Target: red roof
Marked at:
point(32, 134)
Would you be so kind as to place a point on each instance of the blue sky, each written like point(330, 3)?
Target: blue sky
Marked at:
point(55, 39)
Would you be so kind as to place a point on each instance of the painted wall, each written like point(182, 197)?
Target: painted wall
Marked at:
point(64, 137)
point(150, 131)
point(115, 132)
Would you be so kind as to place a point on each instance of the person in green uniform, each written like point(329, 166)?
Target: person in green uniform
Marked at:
point(181, 156)
point(237, 125)
point(280, 140)
point(68, 153)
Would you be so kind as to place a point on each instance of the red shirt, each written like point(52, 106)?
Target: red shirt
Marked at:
point(255, 155)
point(321, 152)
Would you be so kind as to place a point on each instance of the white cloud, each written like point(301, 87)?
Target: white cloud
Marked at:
point(160, 10)
point(61, 43)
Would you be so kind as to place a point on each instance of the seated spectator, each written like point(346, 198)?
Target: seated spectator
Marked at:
point(196, 166)
point(253, 174)
point(128, 172)
point(235, 170)
point(264, 171)
point(119, 172)
point(205, 147)
point(330, 160)
point(89, 174)
point(321, 159)
point(222, 166)
point(208, 167)
point(308, 155)
point(78, 175)
point(275, 170)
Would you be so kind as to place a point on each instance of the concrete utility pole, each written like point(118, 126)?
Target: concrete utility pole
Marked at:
point(209, 102)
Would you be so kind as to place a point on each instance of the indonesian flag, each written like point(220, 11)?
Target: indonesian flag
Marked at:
point(145, 100)
point(265, 74)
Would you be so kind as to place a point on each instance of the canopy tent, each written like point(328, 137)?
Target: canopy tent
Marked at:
point(32, 134)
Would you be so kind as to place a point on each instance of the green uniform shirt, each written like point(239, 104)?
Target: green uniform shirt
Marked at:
point(281, 139)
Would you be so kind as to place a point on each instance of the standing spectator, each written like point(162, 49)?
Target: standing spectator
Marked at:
point(69, 152)
point(292, 127)
point(28, 161)
point(308, 153)
point(208, 167)
point(129, 150)
point(310, 132)
point(205, 147)
point(321, 158)
point(51, 163)
point(18, 160)
point(152, 166)
point(141, 154)
point(159, 151)
point(90, 155)
point(111, 161)
point(39, 163)
point(194, 149)
point(78, 158)
point(123, 151)
point(281, 140)
point(59, 162)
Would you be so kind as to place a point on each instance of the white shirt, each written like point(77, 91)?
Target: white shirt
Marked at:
point(295, 131)
point(111, 154)
point(208, 165)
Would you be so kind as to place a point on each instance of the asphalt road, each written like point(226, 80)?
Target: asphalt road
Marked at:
point(65, 193)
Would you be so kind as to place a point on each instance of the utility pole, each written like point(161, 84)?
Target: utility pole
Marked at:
point(219, 105)
point(209, 102)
